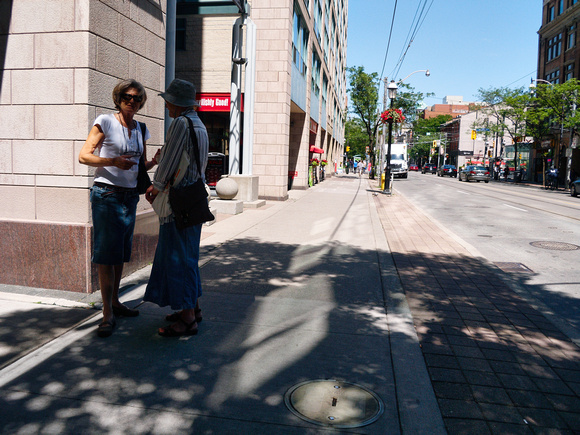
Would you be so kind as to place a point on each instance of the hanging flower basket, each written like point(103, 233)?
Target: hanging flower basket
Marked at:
point(323, 163)
point(314, 162)
point(392, 115)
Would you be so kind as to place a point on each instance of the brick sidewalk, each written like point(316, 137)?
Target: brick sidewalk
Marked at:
point(497, 365)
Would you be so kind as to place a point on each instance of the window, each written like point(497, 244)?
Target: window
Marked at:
point(299, 42)
point(315, 75)
point(554, 48)
point(180, 31)
point(550, 14)
point(560, 7)
point(553, 77)
point(571, 40)
point(569, 72)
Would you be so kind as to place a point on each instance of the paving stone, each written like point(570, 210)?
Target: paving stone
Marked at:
point(450, 390)
point(443, 361)
point(456, 426)
point(483, 394)
point(459, 409)
point(567, 375)
point(517, 382)
point(565, 403)
point(467, 351)
point(461, 340)
point(572, 419)
point(508, 428)
point(477, 364)
point(501, 413)
point(499, 355)
point(479, 378)
point(449, 375)
point(530, 399)
point(506, 367)
point(553, 386)
point(543, 418)
point(440, 349)
point(537, 371)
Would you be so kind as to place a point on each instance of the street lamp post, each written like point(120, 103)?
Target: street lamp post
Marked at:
point(392, 94)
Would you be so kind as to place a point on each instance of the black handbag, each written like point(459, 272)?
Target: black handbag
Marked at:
point(189, 204)
point(143, 180)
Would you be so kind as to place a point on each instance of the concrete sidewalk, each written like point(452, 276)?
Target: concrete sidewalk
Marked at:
point(339, 282)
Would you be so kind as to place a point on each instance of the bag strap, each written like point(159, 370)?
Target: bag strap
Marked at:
point(143, 130)
point(195, 145)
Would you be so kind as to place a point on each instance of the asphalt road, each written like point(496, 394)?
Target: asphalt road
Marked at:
point(531, 234)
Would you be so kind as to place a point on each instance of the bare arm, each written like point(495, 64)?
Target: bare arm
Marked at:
point(87, 155)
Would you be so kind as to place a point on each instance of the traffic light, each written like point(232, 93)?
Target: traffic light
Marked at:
point(347, 148)
point(473, 134)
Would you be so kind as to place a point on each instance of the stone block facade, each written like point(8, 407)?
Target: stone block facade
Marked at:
point(59, 62)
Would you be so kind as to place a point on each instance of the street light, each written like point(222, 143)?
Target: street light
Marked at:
point(392, 93)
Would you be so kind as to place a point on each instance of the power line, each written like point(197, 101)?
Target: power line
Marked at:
point(389, 42)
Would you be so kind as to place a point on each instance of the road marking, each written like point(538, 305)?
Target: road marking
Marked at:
point(511, 206)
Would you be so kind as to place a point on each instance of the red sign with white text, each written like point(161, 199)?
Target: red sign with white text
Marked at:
point(215, 102)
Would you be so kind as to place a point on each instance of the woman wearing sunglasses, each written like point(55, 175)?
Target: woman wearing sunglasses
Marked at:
point(120, 140)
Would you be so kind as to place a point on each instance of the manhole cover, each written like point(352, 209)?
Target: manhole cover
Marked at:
point(555, 246)
point(334, 403)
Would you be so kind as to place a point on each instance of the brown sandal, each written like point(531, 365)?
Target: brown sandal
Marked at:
point(177, 315)
point(190, 329)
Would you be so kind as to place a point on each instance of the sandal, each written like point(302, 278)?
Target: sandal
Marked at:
point(190, 329)
point(124, 311)
point(106, 328)
point(177, 315)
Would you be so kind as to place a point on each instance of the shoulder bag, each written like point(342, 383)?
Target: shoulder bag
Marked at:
point(189, 204)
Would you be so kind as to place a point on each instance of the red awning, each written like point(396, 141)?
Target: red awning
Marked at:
point(313, 149)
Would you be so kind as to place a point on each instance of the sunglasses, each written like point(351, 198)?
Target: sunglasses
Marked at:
point(128, 97)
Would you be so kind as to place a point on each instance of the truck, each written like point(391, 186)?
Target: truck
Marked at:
point(399, 166)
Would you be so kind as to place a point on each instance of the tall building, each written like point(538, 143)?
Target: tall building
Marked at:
point(59, 61)
point(558, 62)
point(300, 84)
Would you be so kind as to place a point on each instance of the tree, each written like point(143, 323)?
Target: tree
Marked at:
point(511, 110)
point(425, 131)
point(355, 137)
point(364, 94)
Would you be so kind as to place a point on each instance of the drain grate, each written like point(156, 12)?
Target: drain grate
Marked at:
point(334, 403)
point(555, 246)
point(513, 267)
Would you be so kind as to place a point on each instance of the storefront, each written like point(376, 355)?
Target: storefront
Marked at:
point(214, 111)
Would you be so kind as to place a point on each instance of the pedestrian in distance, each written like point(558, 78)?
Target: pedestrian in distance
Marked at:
point(506, 173)
point(120, 141)
point(175, 279)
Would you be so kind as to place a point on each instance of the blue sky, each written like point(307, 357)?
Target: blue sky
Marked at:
point(466, 44)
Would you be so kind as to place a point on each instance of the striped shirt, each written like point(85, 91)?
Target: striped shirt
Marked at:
point(178, 137)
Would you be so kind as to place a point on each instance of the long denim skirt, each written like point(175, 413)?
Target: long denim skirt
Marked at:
point(175, 279)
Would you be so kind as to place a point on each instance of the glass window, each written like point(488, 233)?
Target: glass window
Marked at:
point(315, 75)
point(560, 7)
point(551, 14)
point(299, 42)
point(569, 72)
point(554, 47)
point(571, 40)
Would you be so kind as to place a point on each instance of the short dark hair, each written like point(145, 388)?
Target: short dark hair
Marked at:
point(122, 87)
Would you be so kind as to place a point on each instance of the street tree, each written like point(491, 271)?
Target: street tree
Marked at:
point(364, 97)
point(425, 131)
point(355, 136)
point(507, 111)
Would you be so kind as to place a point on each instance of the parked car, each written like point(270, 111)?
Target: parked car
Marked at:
point(450, 170)
point(429, 167)
point(575, 187)
point(472, 172)
point(413, 168)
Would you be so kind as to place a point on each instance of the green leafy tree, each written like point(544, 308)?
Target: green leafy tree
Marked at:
point(425, 131)
point(355, 137)
point(363, 92)
point(509, 110)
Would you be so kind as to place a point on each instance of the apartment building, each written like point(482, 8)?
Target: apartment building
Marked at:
point(300, 85)
point(558, 62)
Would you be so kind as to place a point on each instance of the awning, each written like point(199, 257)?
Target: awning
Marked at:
point(313, 149)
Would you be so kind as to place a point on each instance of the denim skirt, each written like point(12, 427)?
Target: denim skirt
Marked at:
point(175, 279)
point(114, 211)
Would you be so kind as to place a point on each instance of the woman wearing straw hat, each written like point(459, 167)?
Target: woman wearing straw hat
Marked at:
point(175, 279)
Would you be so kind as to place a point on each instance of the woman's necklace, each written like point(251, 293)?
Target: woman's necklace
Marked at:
point(130, 146)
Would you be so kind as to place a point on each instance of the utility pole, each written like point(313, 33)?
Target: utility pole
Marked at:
point(385, 96)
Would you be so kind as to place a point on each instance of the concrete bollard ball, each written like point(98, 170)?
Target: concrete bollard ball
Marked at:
point(226, 188)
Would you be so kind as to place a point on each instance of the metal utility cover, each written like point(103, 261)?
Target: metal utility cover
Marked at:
point(334, 403)
point(555, 246)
